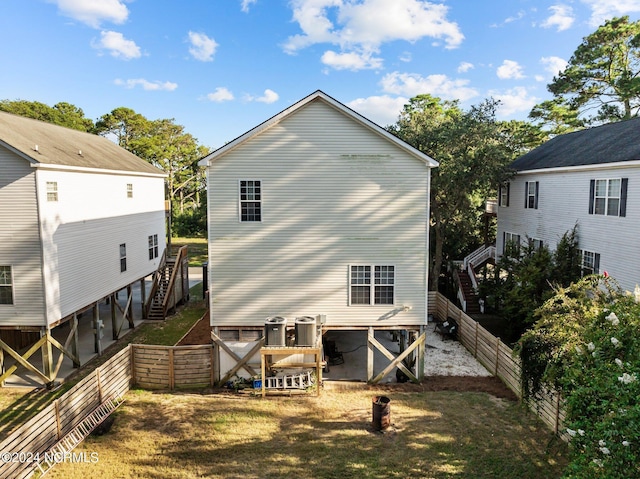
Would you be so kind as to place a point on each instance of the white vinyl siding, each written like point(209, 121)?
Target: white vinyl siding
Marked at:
point(83, 231)
point(566, 204)
point(20, 242)
point(338, 195)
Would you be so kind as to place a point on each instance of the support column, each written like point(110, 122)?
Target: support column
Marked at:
point(97, 330)
point(370, 334)
point(114, 321)
point(2, 369)
point(143, 297)
point(129, 311)
point(75, 350)
point(47, 356)
point(421, 355)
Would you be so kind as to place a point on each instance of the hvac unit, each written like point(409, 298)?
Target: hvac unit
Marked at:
point(305, 331)
point(275, 331)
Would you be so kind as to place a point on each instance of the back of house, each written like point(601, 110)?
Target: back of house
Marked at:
point(318, 212)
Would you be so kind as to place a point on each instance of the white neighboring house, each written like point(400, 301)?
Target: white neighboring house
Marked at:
point(318, 211)
point(80, 218)
point(589, 178)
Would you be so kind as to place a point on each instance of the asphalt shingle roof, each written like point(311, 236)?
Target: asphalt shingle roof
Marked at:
point(611, 143)
point(60, 146)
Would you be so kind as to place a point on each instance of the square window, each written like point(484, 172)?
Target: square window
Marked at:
point(363, 290)
point(52, 191)
point(6, 285)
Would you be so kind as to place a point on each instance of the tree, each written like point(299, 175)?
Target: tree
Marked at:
point(586, 345)
point(601, 82)
point(63, 114)
point(473, 151)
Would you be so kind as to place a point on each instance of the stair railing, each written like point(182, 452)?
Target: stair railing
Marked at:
point(170, 300)
point(157, 278)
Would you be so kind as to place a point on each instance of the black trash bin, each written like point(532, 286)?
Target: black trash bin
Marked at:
point(381, 413)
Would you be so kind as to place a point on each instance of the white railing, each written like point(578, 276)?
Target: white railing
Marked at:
point(479, 256)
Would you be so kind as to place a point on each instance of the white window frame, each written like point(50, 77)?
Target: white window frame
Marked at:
point(511, 237)
point(123, 257)
point(9, 284)
point(253, 200)
point(372, 283)
point(607, 197)
point(129, 190)
point(153, 247)
point(52, 191)
point(588, 260)
point(536, 243)
point(503, 197)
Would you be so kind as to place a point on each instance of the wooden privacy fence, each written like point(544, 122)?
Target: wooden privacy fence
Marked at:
point(41, 432)
point(172, 367)
point(498, 358)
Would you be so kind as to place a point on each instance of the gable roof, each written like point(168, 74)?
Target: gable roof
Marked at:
point(611, 143)
point(46, 144)
point(318, 96)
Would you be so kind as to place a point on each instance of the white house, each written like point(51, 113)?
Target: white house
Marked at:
point(80, 218)
point(589, 178)
point(318, 212)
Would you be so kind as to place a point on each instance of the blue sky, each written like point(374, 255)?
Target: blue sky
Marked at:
point(220, 67)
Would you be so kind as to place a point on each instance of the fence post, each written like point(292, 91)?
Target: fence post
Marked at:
point(497, 355)
point(475, 349)
point(99, 386)
point(557, 421)
point(132, 354)
point(58, 425)
point(172, 379)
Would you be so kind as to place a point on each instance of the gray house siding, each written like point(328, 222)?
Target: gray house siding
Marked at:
point(20, 241)
point(334, 194)
point(564, 202)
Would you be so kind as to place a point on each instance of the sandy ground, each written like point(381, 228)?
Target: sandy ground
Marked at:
point(450, 358)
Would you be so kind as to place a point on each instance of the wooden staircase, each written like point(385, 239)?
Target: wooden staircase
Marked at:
point(472, 305)
point(170, 286)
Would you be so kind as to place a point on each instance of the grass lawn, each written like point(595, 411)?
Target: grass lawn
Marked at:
point(433, 435)
point(198, 252)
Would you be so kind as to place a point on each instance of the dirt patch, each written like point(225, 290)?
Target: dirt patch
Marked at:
point(486, 384)
point(200, 333)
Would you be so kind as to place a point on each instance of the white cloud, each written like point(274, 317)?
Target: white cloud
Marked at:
point(509, 70)
point(562, 18)
point(465, 67)
point(269, 96)
point(220, 94)
point(147, 85)
point(382, 110)
point(362, 26)
point(602, 10)
point(515, 100)
point(117, 45)
point(412, 84)
point(553, 65)
point(94, 12)
point(246, 4)
point(405, 57)
point(351, 61)
point(202, 47)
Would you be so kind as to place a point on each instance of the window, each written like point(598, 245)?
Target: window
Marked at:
point(503, 199)
point(250, 200)
point(129, 190)
point(364, 291)
point(590, 262)
point(608, 197)
point(153, 246)
point(52, 191)
point(510, 241)
point(536, 244)
point(531, 190)
point(6, 285)
point(123, 257)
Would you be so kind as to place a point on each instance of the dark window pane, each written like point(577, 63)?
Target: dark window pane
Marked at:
point(383, 295)
point(6, 295)
point(360, 295)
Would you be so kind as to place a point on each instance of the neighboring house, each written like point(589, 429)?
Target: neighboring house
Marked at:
point(80, 218)
point(589, 178)
point(318, 212)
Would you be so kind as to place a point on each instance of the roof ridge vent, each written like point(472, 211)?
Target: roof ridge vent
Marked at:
point(35, 148)
point(80, 152)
